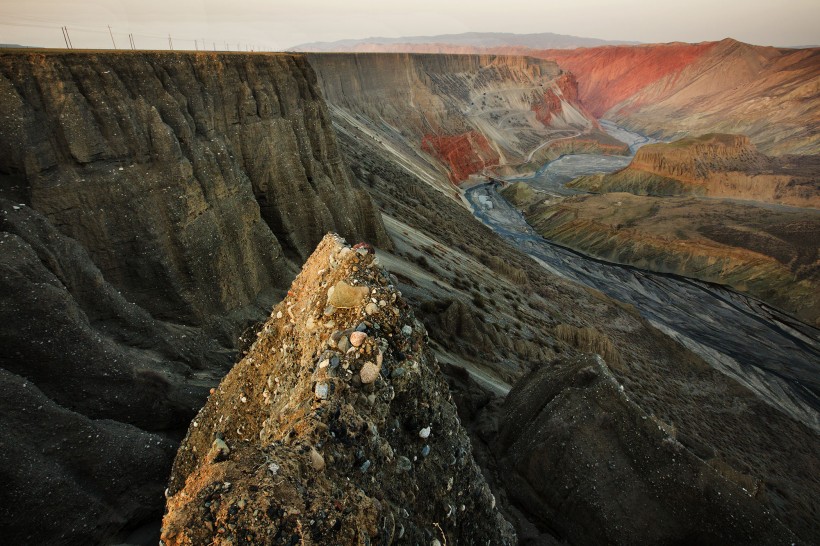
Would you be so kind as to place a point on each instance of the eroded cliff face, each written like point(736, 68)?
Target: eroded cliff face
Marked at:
point(451, 116)
point(715, 165)
point(336, 428)
point(154, 205)
point(154, 161)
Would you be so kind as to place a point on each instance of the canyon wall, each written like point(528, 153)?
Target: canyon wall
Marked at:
point(679, 89)
point(154, 206)
point(451, 116)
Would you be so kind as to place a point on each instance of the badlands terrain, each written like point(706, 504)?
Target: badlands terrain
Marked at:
point(185, 345)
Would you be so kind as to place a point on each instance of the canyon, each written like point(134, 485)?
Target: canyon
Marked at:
point(670, 91)
point(164, 217)
point(453, 116)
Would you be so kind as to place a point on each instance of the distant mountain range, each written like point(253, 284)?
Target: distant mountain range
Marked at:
point(540, 40)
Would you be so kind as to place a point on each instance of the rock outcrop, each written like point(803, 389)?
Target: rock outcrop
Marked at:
point(584, 460)
point(714, 165)
point(451, 116)
point(154, 206)
point(337, 427)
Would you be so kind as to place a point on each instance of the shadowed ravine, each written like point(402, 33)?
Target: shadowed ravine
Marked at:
point(772, 353)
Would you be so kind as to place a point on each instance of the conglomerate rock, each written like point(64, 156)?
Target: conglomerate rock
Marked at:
point(336, 428)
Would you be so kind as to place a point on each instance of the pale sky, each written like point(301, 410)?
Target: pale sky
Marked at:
point(279, 24)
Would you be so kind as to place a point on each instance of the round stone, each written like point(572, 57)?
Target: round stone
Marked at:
point(357, 338)
point(369, 373)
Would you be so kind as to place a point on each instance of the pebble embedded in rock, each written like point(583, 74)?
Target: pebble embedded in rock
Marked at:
point(369, 373)
point(406, 330)
point(345, 296)
point(424, 433)
point(357, 338)
point(425, 451)
point(321, 391)
point(316, 460)
point(343, 344)
point(371, 308)
point(403, 464)
point(219, 450)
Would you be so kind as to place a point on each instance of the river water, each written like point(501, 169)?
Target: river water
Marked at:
point(773, 354)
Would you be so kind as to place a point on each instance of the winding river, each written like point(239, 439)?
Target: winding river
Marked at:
point(770, 352)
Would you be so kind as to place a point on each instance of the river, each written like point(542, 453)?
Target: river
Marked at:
point(770, 352)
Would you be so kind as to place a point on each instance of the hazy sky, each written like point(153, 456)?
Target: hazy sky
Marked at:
point(279, 24)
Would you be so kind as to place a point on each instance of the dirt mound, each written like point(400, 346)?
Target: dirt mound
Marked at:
point(336, 428)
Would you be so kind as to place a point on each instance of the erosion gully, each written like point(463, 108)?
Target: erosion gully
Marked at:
point(772, 353)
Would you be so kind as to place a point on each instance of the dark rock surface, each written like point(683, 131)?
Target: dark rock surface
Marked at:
point(586, 462)
point(154, 206)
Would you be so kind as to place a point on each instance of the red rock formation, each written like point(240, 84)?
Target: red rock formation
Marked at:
point(465, 154)
point(568, 84)
point(547, 105)
point(609, 75)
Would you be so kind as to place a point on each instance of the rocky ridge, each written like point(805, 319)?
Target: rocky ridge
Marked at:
point(641, 485)
point(337, 427)
point(714, 165)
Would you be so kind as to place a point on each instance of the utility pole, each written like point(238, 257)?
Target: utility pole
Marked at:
point(65, 37)
point(131, 39)
point(68, 38)
point(196, 47)
point(112, 37)
point(214, 46)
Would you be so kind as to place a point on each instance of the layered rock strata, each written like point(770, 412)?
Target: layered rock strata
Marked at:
point(154, 206)
point(452, 116)
point(337, 427)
